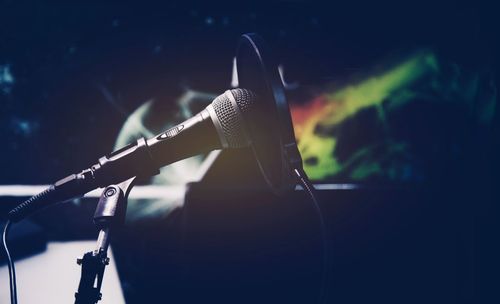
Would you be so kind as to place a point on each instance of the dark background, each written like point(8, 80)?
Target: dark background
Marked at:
point(433, 243)
point(64, 56)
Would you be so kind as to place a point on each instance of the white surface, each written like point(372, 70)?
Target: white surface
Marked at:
point(149, 192)
point(53, 276)
point(138, 192)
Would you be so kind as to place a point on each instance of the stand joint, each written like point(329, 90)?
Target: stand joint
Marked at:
point(110, 212)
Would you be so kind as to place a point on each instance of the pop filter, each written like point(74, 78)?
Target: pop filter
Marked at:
point(269, 123)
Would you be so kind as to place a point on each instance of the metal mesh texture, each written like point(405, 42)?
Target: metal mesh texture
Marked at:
point(230, 117)
point(244, 99)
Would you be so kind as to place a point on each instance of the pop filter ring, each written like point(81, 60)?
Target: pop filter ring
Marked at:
point(258, 72)
point(277, 155)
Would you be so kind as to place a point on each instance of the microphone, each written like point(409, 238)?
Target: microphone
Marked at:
point(219, 126)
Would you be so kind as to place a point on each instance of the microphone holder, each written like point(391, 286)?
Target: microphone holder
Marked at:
point(110, 213)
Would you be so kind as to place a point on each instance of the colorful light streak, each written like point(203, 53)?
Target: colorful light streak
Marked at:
point(335, 106)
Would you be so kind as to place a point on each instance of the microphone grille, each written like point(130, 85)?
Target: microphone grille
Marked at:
point(229, 108)
point(244, 98)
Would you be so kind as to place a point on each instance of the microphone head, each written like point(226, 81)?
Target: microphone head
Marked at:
point(227, 111)
point(245, 99)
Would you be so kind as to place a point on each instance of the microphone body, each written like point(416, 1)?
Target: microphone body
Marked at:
point(194, 136)
point(218, 126)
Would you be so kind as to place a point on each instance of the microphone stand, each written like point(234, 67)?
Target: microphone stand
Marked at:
point(109, 213)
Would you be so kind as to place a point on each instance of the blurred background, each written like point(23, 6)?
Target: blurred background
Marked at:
point(394, 107)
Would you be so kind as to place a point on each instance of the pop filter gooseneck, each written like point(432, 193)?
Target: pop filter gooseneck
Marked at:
point(270, 129)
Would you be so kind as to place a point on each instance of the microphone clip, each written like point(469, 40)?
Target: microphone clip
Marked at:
point(110, 212)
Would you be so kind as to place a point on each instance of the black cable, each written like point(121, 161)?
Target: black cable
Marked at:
point(12, 269)
point(309, 188)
